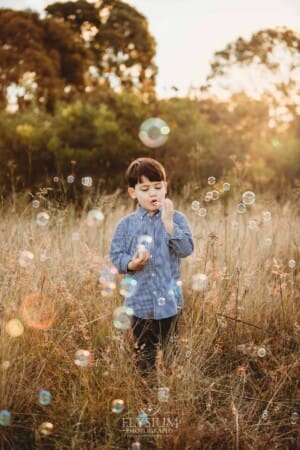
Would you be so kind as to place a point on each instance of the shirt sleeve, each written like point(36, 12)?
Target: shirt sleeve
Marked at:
point(181, 240)
point(118, 255)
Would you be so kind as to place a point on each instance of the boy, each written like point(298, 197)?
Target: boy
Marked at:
point(147, 246)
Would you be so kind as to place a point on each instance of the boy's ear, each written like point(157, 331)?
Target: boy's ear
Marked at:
point(131, 193)
point(166, 186)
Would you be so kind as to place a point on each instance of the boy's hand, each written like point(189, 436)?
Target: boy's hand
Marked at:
point(139, 260)
point(167, 210)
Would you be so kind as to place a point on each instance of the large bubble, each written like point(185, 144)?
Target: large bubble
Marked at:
point(128, 287)
point(38, 311)
point(154, 132)
point(248, 198)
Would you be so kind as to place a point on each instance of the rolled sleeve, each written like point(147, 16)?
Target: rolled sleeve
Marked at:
point(181, 240)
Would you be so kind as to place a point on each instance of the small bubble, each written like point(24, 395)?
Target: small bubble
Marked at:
point(241, 208)
point(87, 181)
point(161, 301)
point(26, 258)
point(163, 394)
point(211, 181)
point(292, 264)
point(142, 419)
point(42, 219)
point(46, 428)
point(117, 406)
point(265, 415)
point(234, 225)
point(215, 194)
point(199, 281)
point(248, 198)
point(202, 212)
point(195, 205)
point(70, 179)
point(43, 255)
point(261, 352)
point(208, 197)
point(75, 236)
point(5, 417)
point(56, 179)
point(188, 354)
point(136, 445)
point(267, 216)
point(94, 217)
point(82, 358)
point(226, 187)
point(5, 365)
point(14, 328)
point(44, 398)
point(36, 204)
point(252, 225)
point(294, 418)
point(268, 242)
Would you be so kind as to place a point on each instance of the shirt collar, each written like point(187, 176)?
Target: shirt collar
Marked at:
point(141, 212)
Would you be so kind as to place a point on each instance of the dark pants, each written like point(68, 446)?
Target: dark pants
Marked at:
point(151, 335)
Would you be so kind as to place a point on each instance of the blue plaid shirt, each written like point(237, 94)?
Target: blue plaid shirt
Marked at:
point(158, 292)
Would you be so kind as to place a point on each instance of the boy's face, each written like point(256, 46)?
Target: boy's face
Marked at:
point(149, 194)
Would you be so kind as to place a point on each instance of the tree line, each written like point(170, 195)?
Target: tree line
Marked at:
point(82, 80)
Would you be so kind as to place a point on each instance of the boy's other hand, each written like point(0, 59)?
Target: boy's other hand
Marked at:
point(139, 260)
point(167, 210)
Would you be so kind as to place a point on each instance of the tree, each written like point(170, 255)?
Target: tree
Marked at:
point(265, 65)
point(38, 58)
point(121, 48)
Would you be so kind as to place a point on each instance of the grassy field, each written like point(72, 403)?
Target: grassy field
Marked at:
point(233, 381)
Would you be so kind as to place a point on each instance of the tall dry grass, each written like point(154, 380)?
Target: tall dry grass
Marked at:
point(222, 394)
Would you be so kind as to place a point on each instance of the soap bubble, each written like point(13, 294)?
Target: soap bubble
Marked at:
point(42, 219)
point(44, 398)
point(248, 198)
point(163, 394)
point(234, 225)
point(25, 258)
point(117, 406)
point(94, 217)
point(292, 264)
point(241, 208)
point(161, 301)
point(268, 242)
point(36, 204)
point(208, 196)
point(136, 445)
point(87, 181)
point(215, 194)
point(46, 428)
point(267, 216)
point(122, 317)
point(56, 179)
point(128, 286)
point(142, 419)
point(226, 187)
point(154, 132)
point(14, 328)
point(70, 179)
point(265, 415)
point(252, 224)
point(211, 181)
point(82, 358)
point(107, 278)
point(5, 417)
point(43, 255)
point(261, 352)
point(38, 311)
point(199, 281)
point(75, 236)
point(202, 212)
point(195, 205)
point(294, 418)
point(144, 244)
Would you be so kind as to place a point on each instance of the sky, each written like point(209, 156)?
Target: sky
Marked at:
point(188, 32)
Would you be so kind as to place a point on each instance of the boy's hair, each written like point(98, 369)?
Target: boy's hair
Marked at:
point(147, 167)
